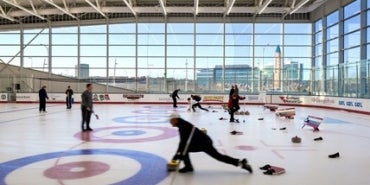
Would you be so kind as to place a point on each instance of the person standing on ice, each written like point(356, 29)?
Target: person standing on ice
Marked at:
point(86, 108)
point(175, 96)
point(43, 96)
point(233, 103)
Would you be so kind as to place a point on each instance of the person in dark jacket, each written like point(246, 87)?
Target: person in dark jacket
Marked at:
point(175, 96)
point(233, 103)
point(69, 93)
point(231, 91)
point(197, 99)
point(199, 142)
point(43, 95)
point(86, 107)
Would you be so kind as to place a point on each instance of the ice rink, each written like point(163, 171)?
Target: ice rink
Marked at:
point(131, 144)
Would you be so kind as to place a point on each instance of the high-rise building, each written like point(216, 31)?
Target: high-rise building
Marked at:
point(293, 71)
point(278, 65)
point(82, 71)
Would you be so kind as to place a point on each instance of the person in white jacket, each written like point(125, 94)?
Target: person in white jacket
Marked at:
point(191, 102)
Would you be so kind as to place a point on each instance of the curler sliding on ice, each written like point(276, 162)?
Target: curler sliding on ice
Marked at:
point(194, 140)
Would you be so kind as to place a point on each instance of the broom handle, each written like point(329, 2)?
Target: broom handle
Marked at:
point(183, 153)
point(188, 141)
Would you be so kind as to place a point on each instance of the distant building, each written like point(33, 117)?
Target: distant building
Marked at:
point(293, 71)
point(278, 66)
point(83, 72)
point(233, 73)
point(204, 77)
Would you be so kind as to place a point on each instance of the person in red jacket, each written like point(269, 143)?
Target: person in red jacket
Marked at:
point(233, 103)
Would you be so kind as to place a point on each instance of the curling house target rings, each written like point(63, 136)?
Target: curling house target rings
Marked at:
point(166, 133)
point(153, 166)
point(142, 119)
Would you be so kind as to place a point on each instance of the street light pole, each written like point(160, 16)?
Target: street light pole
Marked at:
point(186, 75)
point(47, 53)
point(114, 72)
point(261, 68)
point(31, 62)
point(43, 65)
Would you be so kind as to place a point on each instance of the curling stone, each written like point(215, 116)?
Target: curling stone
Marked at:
point(296, 139)
point(172, 165)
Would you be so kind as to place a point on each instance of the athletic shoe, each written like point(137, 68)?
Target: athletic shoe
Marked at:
point(336, 155)
point(284, 128)
point(266, 167)
point(89, 129)
point(318, 139)
point(269, 172)
point(186, 169)
point(246, 166)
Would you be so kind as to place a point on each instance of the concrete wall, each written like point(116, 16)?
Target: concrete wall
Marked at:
point(31, 81)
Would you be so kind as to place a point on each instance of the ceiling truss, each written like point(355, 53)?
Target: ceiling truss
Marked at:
point(14, 11)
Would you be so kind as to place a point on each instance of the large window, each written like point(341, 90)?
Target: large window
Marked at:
point(341, 68)
point(155, 57)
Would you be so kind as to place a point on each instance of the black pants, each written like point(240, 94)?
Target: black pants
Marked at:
point(215, 154)
point(174, 101)
point(69, 102)
point(42, 106)
point(232, 111)
point(198, 105)
point(86, 116)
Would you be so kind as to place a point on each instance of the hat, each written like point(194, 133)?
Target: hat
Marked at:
point(174, 115)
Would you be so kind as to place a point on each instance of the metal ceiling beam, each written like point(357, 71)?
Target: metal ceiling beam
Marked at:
point(293, 4)
point(148, 9)
point(264, 6)
point(65, 5)
point(34, 13)
point(196, 7)
point(97, 7)
point(299, 5)
point(162, 3)
point(51, 2)
point(129, 6)
point(230, 6)
point(260, 3)
point(313, 6)
point(5, 16)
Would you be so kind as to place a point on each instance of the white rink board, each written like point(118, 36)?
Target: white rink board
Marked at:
point(354, 104)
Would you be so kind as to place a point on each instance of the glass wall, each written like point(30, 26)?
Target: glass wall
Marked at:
point(327, 57)
point(341, 49)
point(159, 57)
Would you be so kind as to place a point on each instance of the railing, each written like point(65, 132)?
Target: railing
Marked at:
point(342, 80)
